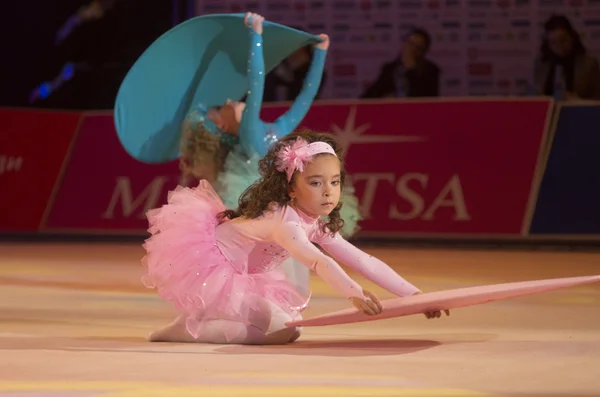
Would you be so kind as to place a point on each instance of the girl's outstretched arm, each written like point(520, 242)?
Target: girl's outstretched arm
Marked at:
point(290, 120)
point(368, 266)
point(290, 235)
point(251, 132)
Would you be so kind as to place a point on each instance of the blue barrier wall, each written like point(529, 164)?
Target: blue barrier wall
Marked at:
point(569, 196)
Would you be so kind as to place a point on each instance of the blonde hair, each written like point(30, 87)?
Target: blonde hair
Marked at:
point(199, 146)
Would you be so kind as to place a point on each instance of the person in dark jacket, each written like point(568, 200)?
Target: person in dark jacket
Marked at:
point(284, 83)
point(409, 75)
point(563, 50)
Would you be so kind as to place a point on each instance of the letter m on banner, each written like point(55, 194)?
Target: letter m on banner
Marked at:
point(134, 205)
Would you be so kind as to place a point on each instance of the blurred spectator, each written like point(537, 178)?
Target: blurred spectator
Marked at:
point(284, 83)
point(409, 75)
point(99, 41)
point(564, 69)
point(86, 13)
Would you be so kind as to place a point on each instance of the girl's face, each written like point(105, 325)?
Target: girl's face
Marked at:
point(228, 116)
point(316, 191)
point(560, 42)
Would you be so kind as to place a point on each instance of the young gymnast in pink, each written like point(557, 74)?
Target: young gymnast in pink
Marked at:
point(220, 268)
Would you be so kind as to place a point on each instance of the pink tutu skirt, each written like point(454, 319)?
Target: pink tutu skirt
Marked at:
point(188, 269)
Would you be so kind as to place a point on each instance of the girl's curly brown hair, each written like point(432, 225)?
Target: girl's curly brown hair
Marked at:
point(273, 185)
point(198, 146)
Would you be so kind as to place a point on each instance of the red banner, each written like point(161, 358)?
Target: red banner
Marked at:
point(433, 168)
point(106, 189)
point(33, 147)
point(442, 167)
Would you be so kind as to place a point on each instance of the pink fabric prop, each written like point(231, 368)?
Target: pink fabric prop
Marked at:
point(443, 300)
point(295, 156)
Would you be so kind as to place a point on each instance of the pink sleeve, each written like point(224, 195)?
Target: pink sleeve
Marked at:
point(290, 235)
point(367, 265)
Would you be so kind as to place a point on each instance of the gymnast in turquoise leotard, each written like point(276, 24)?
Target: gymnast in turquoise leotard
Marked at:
point(223, 144)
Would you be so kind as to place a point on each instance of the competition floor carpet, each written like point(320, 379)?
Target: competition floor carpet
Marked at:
point(73, 322)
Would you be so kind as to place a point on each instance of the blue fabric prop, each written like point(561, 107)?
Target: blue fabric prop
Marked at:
point(201, 61)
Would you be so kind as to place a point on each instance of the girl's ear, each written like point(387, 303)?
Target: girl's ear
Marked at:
point(291, 191)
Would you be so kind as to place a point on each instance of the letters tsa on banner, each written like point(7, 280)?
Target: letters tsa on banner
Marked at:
point(456, 167)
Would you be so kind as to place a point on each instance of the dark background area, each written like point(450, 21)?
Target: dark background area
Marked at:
point(103, 49)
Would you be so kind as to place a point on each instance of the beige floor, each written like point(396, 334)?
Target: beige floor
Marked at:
point(73, 321)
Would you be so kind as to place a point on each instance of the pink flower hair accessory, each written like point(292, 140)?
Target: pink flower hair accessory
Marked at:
point(295, 156)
